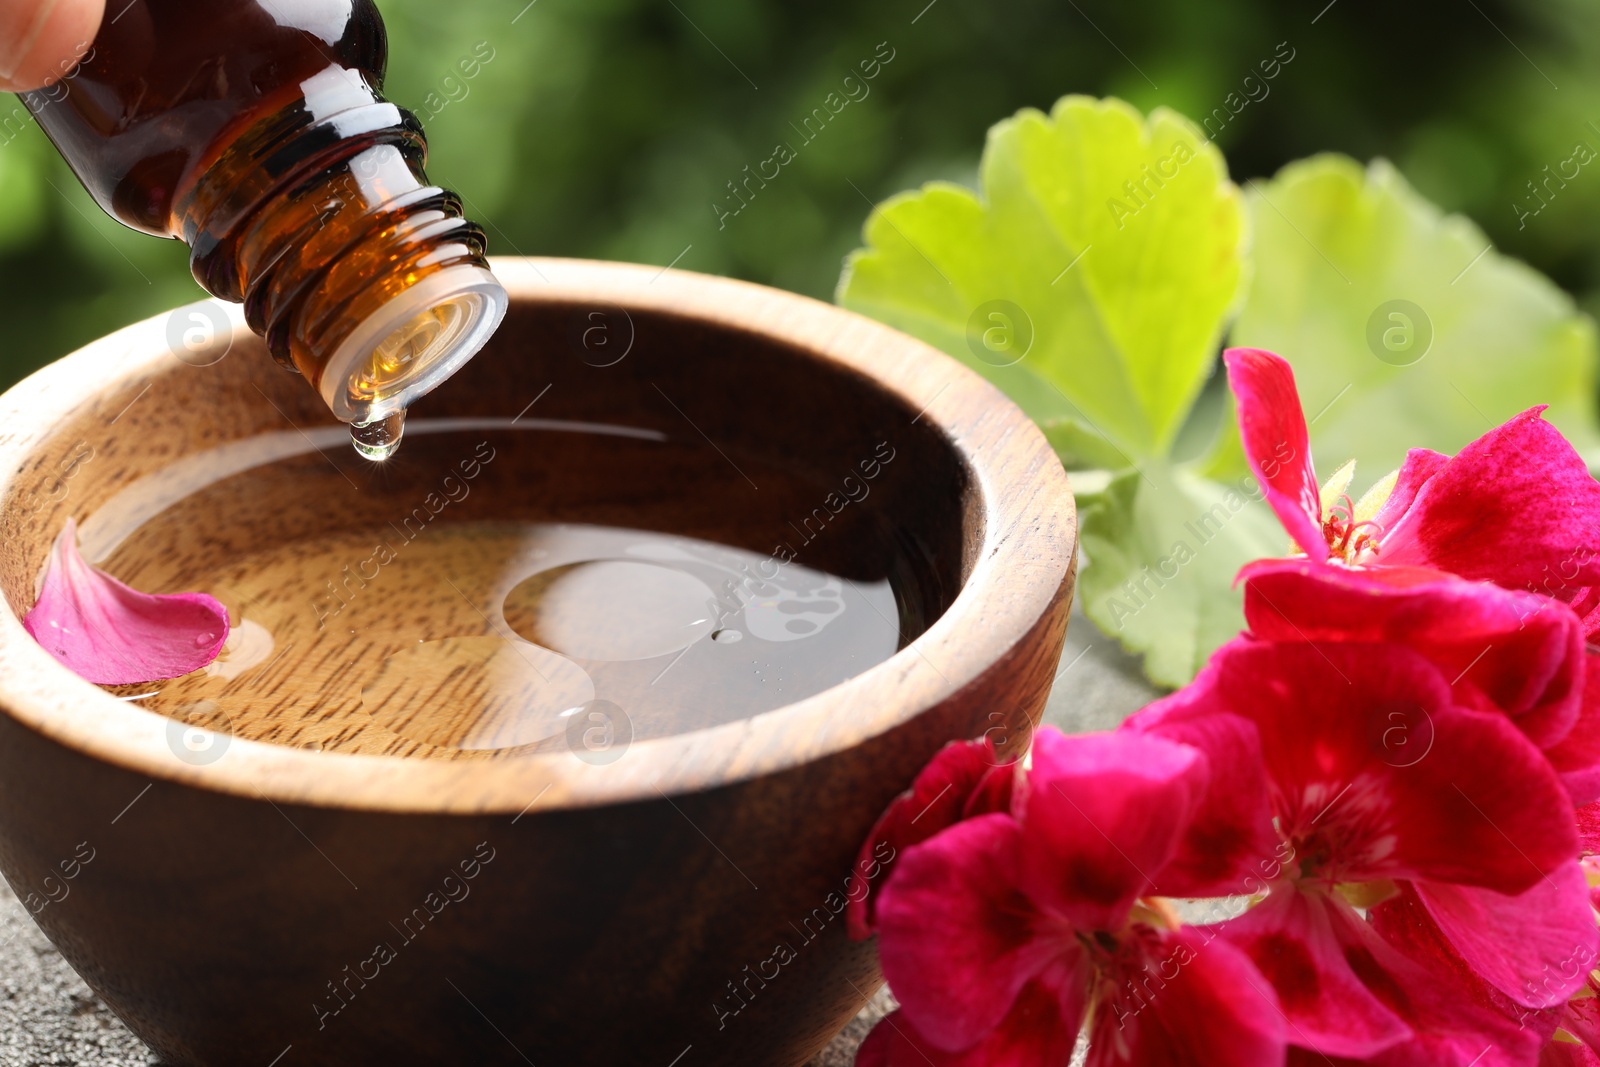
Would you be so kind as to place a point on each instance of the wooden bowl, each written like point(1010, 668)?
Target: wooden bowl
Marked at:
point(280, 906)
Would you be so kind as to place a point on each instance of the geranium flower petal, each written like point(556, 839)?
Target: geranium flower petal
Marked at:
point(1290, 937)
point(1036, 1031)
point(1591, 874)
point(1517, 651)
point(1230, 847)
point(1581, 1018)
point(1588, 817)
point(1198, 1001)
point(1370, 759)
point(1101, 815)
point(1516, 507)
point(1577, 757)
point(1456, 1017)
point(958, 939)
point(110, 634)
point(1567, 1054)
point(1536, 947)
point(1420, 465)
point(965, 778)
point(1272, 428)
point(1585, 602)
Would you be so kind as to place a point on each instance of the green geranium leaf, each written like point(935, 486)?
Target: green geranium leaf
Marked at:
point(1163, 546)
point(1090, 279)
point(1080, 447)
point(1404, 327)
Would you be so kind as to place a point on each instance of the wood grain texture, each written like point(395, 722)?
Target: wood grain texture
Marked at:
point(628, 908)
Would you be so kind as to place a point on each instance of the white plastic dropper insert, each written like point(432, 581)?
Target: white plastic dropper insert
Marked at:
point(407, 348)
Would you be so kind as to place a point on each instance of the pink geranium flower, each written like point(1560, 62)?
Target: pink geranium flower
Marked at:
point(1383, 788)
point(1516, 652)
point(964, 779)
point(1314, 807)
point(1516, 507)
point(113, 635)
point(1004, 934)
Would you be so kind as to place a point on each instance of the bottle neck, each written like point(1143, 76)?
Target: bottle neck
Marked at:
point(357, 272)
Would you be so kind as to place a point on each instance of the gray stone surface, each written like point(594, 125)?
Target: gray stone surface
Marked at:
point(1097, 685)
point(842, 1052)
point(48, 1016)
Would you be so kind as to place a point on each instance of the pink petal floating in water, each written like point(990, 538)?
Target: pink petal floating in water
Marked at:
point(110, 634)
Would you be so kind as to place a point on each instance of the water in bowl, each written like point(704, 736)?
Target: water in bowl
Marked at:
point(501, 587)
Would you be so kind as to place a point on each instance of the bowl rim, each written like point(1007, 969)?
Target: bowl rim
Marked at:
point(1013, 584)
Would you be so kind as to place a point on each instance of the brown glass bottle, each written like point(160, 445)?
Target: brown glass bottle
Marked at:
point(255, 132)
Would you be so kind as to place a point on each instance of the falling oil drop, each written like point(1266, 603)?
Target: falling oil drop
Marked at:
point(378, 439)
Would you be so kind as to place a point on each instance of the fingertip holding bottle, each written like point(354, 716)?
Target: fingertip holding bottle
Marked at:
point(42, 40)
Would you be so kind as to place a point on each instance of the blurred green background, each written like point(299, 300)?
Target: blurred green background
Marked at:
point(610, 128)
